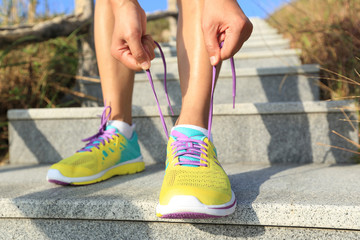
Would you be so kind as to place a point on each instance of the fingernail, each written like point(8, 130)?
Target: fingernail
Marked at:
point(213, 60)
point(145, 65)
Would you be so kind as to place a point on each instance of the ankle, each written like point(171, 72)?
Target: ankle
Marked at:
point(124, 128)
point(202, 123)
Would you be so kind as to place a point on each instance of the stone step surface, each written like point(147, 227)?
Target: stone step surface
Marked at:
point(260, 59)
point(287, 132)
point(249, 46)
point(253, 37)
point(263, 30)
point(98, 229)
point(277, 84)
point(314, 201)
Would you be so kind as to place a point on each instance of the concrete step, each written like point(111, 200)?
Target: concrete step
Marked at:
point(254, 133)
point(278, 84)
point(314, 201)
point(253, 38)
point(249, 46)
point(264, 30)
point(261, 26)
point(262, 37)
point(261, 59)
point(258, 21)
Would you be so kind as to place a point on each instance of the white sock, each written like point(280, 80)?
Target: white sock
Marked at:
point(123, 127)
point(203, 130)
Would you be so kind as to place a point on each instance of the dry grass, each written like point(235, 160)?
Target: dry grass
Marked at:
point(157, 29)
point(29, 78)
point(328, 33)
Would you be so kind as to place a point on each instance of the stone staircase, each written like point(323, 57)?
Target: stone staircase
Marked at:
point(275, 147)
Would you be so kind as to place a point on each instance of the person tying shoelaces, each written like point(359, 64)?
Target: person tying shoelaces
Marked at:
point(209, 31)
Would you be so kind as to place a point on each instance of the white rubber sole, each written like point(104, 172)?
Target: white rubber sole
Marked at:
point(55, 175)
point(184, 205)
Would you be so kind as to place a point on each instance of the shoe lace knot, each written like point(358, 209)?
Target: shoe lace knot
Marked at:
point(189, 151)
point(102, 136)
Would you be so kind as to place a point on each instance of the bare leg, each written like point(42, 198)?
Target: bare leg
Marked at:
point(117, 81)
point(194, 66)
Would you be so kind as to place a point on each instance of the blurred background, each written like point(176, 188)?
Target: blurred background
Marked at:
point(45, 45)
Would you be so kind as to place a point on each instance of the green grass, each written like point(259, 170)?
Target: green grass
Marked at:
point(38, 75)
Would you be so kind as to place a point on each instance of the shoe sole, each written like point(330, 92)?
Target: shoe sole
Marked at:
point(181, 207)
point(125, 168)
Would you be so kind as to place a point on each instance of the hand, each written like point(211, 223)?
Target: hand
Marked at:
point(130, 44)
point(224, 21)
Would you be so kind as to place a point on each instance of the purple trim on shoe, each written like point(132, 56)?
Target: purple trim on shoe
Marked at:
point(227, 206)
point(58, 182)
point(188, 215)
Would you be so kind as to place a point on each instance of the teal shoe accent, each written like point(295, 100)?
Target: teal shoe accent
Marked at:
point(132, 149)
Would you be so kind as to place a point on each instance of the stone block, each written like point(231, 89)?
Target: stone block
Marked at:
point(280, 84)
point(313, 196)
point(262, 59)
point(249, 46)
point(256, 133)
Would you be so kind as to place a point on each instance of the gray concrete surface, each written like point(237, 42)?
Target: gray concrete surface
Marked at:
point(260, 44)
point(263, 132)
point(287, 195)
point(277, 84)
point(43, 229)
point(261, 59)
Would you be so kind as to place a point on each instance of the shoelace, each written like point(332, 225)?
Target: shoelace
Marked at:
point(185, 146)
point(102, 135)
point(189, 150)
point(148, 73)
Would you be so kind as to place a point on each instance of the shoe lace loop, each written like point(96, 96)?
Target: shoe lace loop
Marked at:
point(189, 151)
point(102, 135)
point(148, 73)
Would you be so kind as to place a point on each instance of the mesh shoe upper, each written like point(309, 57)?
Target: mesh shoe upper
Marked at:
point(100, 155)
point(192, 169)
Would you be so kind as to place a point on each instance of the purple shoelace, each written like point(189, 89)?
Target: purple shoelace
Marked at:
point(185, 146)
point(102, 136)
point(189, 150)
point(148, 73)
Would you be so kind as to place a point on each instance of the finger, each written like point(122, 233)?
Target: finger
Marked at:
point(137, 51)
point(211, 43)
point(235, 38)
point(148, 44)
point(232, 44)
point(150, 39)
point(125, 57)
point(221, 37)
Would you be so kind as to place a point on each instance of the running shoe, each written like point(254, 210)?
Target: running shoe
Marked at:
point(195, 185)
point(107, 153)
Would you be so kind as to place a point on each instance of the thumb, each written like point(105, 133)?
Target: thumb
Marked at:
point(212, 45)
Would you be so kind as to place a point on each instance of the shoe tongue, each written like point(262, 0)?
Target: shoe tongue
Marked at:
point(190, 133)
point(112, 127)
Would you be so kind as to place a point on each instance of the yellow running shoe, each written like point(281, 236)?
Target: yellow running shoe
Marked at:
point(195, 185)
point(107, 154)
